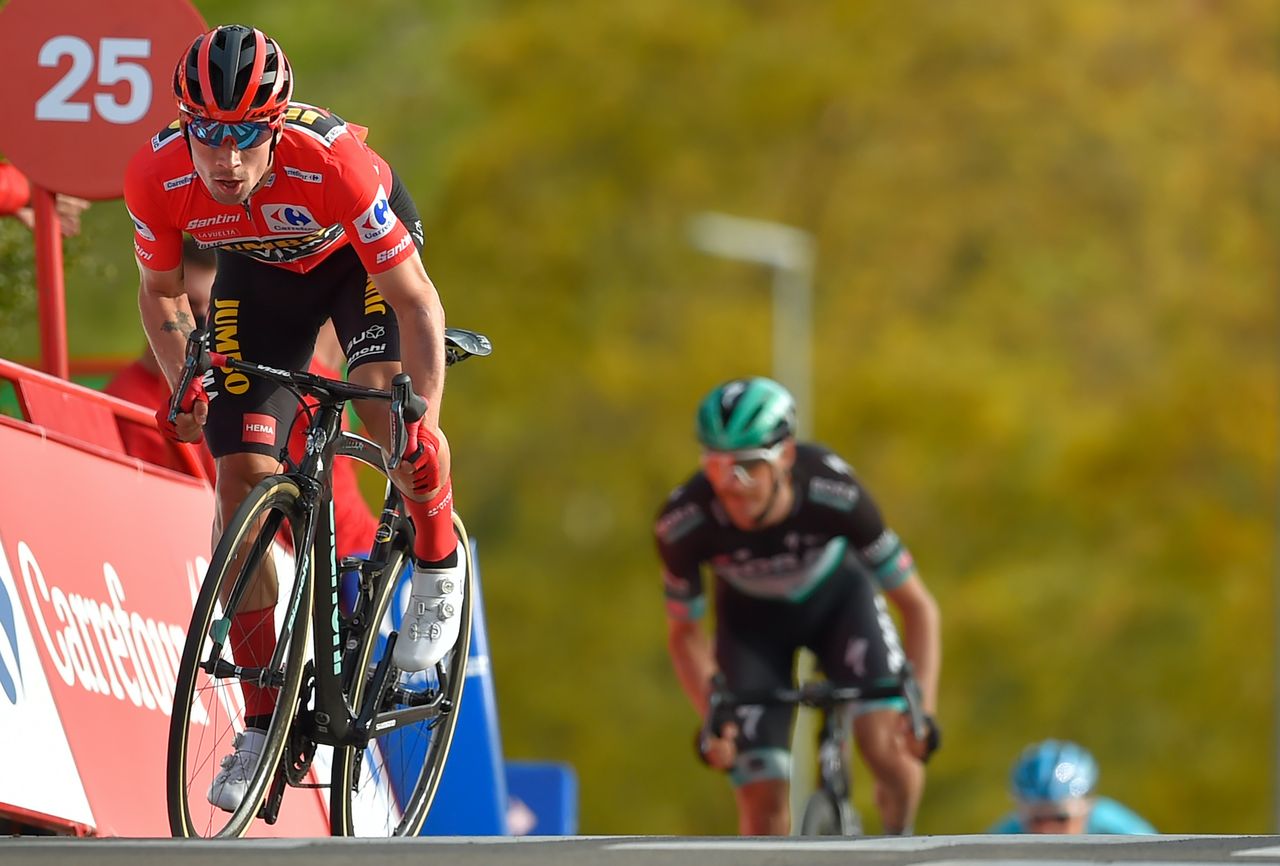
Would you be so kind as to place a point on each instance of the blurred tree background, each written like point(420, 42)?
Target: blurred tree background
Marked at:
point(1045, 334)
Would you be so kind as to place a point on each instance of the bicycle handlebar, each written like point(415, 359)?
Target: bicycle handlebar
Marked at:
point(407, 406)
point(819, 694)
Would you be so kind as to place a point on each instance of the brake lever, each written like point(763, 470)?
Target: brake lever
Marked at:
point(407, 409)
point(195, 363)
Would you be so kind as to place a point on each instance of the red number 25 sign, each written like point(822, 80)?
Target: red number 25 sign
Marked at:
point(86, 83)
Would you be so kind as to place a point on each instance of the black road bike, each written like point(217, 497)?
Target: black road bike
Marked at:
point(375, 736)
point(829, 810)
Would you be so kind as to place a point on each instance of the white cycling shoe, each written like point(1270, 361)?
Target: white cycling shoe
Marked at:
point(227, 790)
point(434, 616)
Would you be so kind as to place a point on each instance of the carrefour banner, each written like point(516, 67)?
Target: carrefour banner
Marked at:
point(99, 566)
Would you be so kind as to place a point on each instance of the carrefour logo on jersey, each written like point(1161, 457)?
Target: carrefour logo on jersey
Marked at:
point(144, 231)
point(378, 220)
point(289, 218)
point(10, 659)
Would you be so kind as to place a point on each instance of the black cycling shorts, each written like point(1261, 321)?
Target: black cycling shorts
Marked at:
point(847, 626)
point(271, 316)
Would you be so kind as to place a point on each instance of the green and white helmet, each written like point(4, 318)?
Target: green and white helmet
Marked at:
point(754, 412)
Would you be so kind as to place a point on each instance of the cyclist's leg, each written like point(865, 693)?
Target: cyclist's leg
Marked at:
point(857, 642)
point(754, 652)
point(370, 336)
point(368, 331)
point(248, 423)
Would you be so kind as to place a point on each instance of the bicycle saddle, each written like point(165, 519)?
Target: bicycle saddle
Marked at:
point(460, 344)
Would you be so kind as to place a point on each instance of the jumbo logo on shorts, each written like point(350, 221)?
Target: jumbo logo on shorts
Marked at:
point(260, 429)
point(289, 218)
point(378, 221)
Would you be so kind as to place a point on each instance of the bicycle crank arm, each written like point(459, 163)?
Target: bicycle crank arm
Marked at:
point(390, 721)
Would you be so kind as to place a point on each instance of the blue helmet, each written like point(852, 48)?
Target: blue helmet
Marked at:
point(1053, 771)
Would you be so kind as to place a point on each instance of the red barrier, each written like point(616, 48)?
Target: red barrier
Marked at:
point(82, 417)
point(100, 559)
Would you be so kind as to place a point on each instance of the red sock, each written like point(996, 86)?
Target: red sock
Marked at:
point(253, 640)
point(433, 525)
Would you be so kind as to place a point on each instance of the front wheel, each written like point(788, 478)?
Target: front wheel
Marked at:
point(828, 815)
point(213, 690)
point(386, 788)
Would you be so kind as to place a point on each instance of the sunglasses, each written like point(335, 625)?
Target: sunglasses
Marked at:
point(1056, 813)
point(244, 135)
point(741, 465)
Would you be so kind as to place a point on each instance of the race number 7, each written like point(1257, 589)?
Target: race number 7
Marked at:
point(113, 65)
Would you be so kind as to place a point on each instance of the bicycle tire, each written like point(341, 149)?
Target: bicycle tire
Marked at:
point(356, 806)
point(825, 814)
point(200, 735)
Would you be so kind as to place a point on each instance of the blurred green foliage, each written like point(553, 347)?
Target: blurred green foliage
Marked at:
point(1045, 334)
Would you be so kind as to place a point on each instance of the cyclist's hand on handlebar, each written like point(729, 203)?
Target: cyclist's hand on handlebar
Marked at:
point(923, 748)
point(422, 458)
point(188, 426)
point(720, 751)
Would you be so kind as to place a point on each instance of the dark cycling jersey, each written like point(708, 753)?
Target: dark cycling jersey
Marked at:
point(834, 521)
point(327, 189)
point(810, 581)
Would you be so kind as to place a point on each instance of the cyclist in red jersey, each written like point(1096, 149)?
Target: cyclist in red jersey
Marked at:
point(309, 224)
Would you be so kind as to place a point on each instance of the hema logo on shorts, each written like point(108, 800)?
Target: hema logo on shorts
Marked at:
point(259, 428)
point(378, 220)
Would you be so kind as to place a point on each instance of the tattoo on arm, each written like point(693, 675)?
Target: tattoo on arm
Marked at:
point(181, 323)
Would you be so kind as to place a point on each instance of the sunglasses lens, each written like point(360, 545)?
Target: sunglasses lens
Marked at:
point(214, 132)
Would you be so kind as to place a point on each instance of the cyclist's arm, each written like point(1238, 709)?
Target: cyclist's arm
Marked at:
point(166, 317)
point(420, 317)
point(922, 634)
point(689, 646)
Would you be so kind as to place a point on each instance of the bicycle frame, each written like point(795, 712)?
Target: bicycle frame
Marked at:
point(341, 688)
point(835, 703)
point(334, 722)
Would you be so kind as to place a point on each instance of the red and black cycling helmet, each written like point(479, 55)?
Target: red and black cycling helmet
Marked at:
point(233, 73)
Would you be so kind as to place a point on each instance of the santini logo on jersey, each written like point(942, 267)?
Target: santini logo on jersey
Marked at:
point(388, 255)
point(378, 221)
point(219, 220)
point(290, 218)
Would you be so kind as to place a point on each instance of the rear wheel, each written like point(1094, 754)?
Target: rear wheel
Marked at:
point(209, 697)
point(386, 788)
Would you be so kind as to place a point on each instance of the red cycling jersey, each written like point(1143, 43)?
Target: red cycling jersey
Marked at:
point(326, 188)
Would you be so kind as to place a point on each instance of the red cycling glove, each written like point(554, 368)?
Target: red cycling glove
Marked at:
point(195, 393)
point(422, 455)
